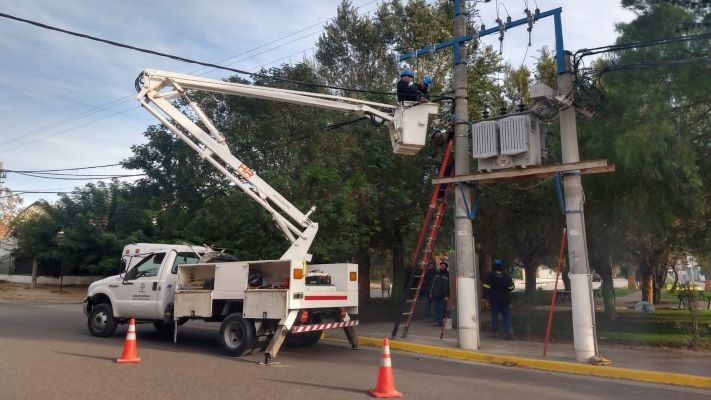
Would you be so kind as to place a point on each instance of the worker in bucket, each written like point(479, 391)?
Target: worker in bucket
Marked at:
point(440, 292)
point(406, 88)
point(498, 286)
point(425, 86)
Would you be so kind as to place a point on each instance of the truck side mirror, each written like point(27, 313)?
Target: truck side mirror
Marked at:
point(122, 266)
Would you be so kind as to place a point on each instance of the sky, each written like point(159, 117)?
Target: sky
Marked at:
point(67, 102)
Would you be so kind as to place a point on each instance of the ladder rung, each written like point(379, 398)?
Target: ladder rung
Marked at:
point(407, 313)
point(404, 325)
point(411, 300)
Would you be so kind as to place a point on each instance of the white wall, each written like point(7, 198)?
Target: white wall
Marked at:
point(50, 280)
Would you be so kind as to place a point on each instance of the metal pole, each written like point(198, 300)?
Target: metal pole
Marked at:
point(584, 340)
point(467, 299)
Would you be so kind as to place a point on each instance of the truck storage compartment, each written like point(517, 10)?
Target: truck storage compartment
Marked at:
point(193, 303)
point(274, 274)
point(265, 303)
point(196, 277)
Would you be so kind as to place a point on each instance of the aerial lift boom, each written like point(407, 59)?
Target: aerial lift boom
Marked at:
point(407, 124)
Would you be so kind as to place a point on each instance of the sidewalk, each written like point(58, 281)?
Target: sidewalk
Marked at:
point(20, 292)
point(686, 362)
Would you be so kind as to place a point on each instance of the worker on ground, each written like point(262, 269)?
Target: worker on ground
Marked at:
point(498, 286)
point(440, 292)
point(440, 139)
point(406, 88)
point(429, 276)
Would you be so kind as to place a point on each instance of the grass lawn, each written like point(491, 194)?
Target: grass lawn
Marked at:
point(663, 328)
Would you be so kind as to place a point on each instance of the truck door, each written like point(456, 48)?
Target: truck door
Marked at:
point(166, 285)
point(139, 289)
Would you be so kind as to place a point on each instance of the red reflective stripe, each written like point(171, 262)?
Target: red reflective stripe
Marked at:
point(325, 297)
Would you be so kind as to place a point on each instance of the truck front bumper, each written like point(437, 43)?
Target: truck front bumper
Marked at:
point(85, 306)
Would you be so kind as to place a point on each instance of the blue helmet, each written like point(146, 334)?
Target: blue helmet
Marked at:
point(497, 264)
point(406, 72)
point(427, 80)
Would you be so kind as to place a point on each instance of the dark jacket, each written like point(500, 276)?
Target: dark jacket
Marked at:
point(498, 286)
point(429, 278)
point(440, 286)
point(440, 140)
point(407, 91)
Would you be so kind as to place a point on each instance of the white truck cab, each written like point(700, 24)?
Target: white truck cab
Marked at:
point(144, 289)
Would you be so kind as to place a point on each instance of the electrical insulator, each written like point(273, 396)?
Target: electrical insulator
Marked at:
point(502, 28)
point(529, 19)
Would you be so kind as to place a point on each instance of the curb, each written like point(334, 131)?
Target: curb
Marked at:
point(545, 365)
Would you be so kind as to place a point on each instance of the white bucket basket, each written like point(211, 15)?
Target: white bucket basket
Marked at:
point(408, 132)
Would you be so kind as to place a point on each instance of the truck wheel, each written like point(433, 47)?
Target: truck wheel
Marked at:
point(163, 328)
point(304, 339)
point(101, 321)
point(237, 335)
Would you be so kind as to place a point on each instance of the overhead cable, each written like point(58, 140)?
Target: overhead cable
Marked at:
point(68, 169)
point(187, 60)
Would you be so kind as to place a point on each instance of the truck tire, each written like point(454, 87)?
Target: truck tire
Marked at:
point(101, 321)
point(237, 335)
point(163, 328)
point(304, 339)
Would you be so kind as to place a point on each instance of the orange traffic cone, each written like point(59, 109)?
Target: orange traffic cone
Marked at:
point(386, 384)
point(129, 346)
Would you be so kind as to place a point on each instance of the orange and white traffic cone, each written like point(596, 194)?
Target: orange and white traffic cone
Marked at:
point(386, 384)
point(129, 346)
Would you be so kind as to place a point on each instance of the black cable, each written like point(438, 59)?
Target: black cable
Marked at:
point(32, 192)
point(638, 45)
point(66, 169)
point(126, 98)
point(78, 179)
point(187, 60)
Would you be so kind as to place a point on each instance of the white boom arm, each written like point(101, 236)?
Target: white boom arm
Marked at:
point(408, 129)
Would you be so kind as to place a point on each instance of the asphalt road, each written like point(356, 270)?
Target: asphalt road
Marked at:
point(46, 352)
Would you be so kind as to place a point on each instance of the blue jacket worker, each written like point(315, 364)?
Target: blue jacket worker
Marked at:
point(498, 286)
point(406, 88)
point(440, 292)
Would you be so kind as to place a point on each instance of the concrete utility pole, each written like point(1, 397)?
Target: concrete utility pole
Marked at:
point(584, 339)
point(467, 299)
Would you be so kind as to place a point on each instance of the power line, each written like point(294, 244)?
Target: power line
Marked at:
point(70, 129)
point(26, 89)
point(69, 169)
point(187, 60)
point(33, 192)
point(57, 124)
point(129, 97)
point(77, 177)
point(279, 39)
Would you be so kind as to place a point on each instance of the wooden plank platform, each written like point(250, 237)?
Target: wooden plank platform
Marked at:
point(544, 171)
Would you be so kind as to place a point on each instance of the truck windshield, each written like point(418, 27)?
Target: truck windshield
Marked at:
point(184, 258)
